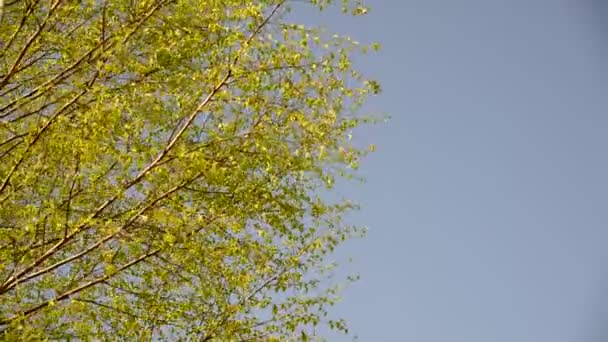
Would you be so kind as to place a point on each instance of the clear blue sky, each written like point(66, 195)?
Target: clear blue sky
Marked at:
point(487, 199)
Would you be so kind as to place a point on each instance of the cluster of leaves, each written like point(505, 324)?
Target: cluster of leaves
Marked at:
point(160, 168)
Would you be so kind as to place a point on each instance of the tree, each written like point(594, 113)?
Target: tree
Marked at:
point(162, 164)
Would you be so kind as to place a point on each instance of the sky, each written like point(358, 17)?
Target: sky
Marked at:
point(487, 198)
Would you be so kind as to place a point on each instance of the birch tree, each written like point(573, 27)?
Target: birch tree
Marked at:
point(163, 165)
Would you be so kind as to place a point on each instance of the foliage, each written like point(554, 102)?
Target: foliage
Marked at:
point(161, 169)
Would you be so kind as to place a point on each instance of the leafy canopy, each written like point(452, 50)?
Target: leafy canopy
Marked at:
point(162, 164)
